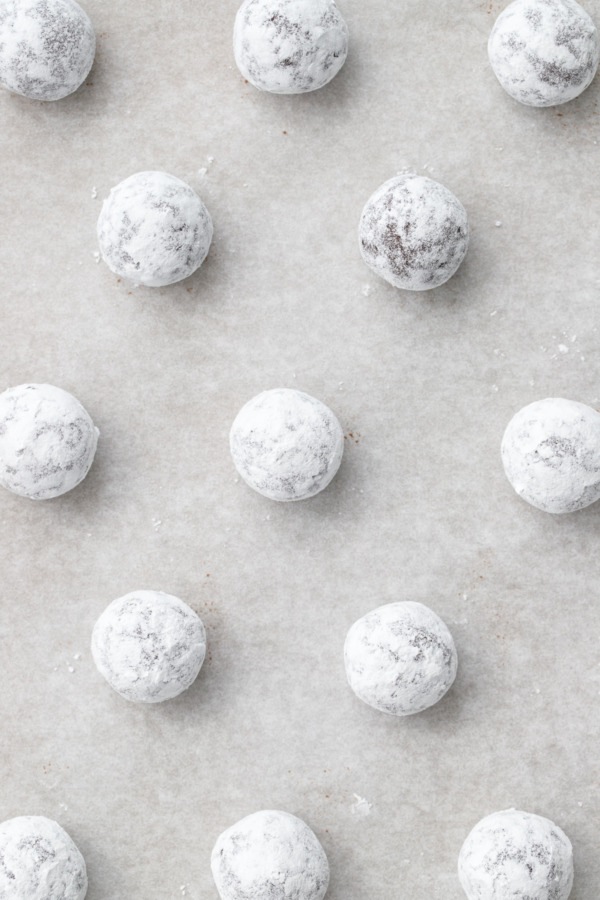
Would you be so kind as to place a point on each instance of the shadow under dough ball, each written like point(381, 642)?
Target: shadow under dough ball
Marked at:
point(47, 441)
point(154, 229)
point(544, 52)
point(286, 444)
point(270, 854)
point(289, 46)
point(47, 47)
point(400, 658)
point(413, 232)
point(149, 646)
point(39, 861)
point(511, 855)
point(551, 454)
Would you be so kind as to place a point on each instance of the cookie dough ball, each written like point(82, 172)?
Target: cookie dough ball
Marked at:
point(289, 46)
point(149, 646)
point(551, 454)
point(39, 861)
point(154, 229)
point(270, 854)
point(400, 658)
point(286, 445)
point(513, 855)
point(413, 232)
point(47, 441)
point(47, 47)
point(544, 52)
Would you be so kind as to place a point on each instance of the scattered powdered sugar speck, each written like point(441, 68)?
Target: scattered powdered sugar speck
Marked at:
point(361, 807)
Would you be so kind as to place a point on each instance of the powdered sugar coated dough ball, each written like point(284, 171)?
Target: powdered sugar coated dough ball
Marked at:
point(154, 229)
point(47, 47)
point(149, 646)
point(270, 854)
point(400, 658)
point(47, 441)
point(289, 46)
point(413, 232)
point(286, 444)
point(551, 454)
point(544, 52)
point(512, 855)
point(39, 861)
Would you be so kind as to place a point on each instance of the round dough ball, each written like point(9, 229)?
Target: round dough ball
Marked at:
point(39, 861)
point(47, 441)
point(47, 47)
point(289, 46)
point(551, 454)
point(270, 854)
point(154, 229)
point(286, 445)
point(512, 855)
point(149, 646)
point(544, 52)
point(400, 658)
point(413, 232)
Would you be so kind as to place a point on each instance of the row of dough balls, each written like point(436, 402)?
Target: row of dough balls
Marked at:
point(155, 230)
point(543, 52)
point(150, 646)
point(508, 855)
point(287, 445)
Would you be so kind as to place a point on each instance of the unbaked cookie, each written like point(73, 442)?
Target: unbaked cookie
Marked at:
point(149, 646)
point(289, 46)
point(39, 861)
point(47, 441)
point(544, 52)
point(154, 229)
point(286, 444)
point(47, 47)
point(400, 658)
point(413, 232)
point(513, 855)
point(270, 854)
point(551, 454)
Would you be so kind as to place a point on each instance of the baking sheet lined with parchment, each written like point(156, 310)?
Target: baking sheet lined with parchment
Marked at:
point(423, 386)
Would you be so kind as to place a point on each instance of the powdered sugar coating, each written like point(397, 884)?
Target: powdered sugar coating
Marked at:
point(47, 47)
point(154, 229)
point(289, 46)
point(514, 855)
point(286, 444)
point(551, 454)
point(270, 854)
point(400, 658)
point(149, 646)
point(413, 232)
point(39, 861)
point(544, 52)
point(47, 441)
